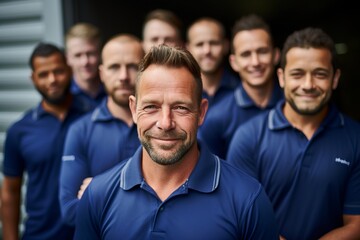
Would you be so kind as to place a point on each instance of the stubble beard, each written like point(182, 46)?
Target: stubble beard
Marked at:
point(55, 100)
point(309, 111)
point(172, 158)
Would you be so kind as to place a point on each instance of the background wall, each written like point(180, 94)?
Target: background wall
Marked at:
point(23, 23)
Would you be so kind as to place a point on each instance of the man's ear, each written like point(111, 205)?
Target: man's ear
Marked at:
point(233, 63)
point(132, 106)
point(336, 79)
point(203, 109)
point(32, 77)
point(276, 56)
point(280, 74)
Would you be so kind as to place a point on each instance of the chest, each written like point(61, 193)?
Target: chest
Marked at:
point(326, 160)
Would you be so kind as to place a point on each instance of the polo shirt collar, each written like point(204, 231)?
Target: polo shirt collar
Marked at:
point(204, 178)
point(277, 119)
point(243, 99)
point(38, 112)
point(101, 112)
point(334, 118)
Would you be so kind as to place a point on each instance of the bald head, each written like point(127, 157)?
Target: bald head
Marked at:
point(121, 56)
point(124, 41)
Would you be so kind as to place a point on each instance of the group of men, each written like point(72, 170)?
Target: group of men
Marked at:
point(144, 139)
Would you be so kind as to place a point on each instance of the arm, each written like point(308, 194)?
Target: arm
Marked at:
point(242, 152)
point(74, 170)
point(350, 230)
point(10, 209)
point(261, 221)
point(86, 222)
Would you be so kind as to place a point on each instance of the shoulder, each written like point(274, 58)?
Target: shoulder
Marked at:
point(22, 121)
point(107, 181)
point(352, 129)
point(255, 125)
point(236, 180)
point(240, 189)
point(350, 122)
point(83, 122)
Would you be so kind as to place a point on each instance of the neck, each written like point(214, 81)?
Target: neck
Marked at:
point(307, 124)
point(89, 86)
point(165, 179)
point(211, 81)
point(120, 112)
point(261, 95)
point(58, 110)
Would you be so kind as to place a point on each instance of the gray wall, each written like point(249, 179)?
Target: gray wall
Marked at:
point(22, 25)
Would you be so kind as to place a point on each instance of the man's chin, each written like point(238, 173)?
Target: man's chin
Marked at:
point(89, 77)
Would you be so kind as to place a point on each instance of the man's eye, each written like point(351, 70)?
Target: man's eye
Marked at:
point(296, 75)
point(113, 67)
point(42, 75)
point(150, 108)
point(133, 67)
point(181, 109)
point(321, 75)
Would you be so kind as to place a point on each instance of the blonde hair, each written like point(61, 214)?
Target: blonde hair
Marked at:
point(85, 31)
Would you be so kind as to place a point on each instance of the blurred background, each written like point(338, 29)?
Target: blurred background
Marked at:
point(339, 18)
point(24, 23)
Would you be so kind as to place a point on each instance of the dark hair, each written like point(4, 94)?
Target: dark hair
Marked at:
point(176, 57)
point(250, 22)
point(309, 38)
point(45, 50)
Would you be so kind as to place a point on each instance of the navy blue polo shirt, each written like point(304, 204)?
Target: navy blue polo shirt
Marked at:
point(34, 145)
point(94, 143)
point(217, 202)
point(89, 103)
point(228, 83)
point(311, 183)
point(227, 115)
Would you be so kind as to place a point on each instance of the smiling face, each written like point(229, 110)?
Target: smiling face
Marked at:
point(308, 80)
point(167, 113)
point(254, 57)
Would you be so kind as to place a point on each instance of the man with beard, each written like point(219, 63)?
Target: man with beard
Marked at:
point(305, 152)
point(33, 148)
point(83, 46)
point(104, 137)
point(173, 187)
point(254, 57)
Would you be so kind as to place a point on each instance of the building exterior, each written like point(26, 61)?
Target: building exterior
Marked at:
point(22, 25)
